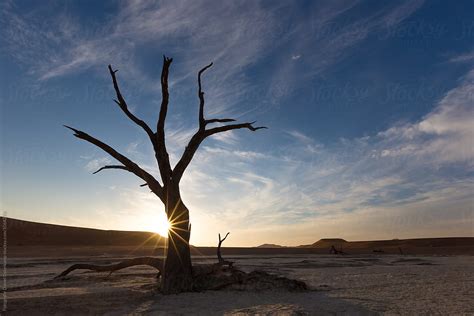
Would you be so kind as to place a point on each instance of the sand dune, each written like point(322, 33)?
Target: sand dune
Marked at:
point(25, 233)
point(25, 239)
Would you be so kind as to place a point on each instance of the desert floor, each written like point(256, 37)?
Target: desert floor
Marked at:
point(353, 285)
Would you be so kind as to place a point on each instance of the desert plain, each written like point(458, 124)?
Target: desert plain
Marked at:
point(430, 277)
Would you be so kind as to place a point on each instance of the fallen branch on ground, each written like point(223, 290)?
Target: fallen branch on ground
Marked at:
point(148, 261)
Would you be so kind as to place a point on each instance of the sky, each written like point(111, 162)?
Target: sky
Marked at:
point(368, 104)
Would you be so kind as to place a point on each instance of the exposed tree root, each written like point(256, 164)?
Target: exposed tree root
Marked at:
point(218, 276)
point(148, 261)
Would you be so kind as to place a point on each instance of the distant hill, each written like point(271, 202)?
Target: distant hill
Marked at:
point(25, 233)
point(448, 245)
point(270, 246)
point(328, 242)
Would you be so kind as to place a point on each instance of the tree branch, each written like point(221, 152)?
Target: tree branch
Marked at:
point(111, 167)
point(161, 153)
point(164, 93)
point(187, 156)
point(226, 128)
point(154, 185)
point(149, 261)
point(219, 256)
point(222, 240)
point(226, 120)
point(123, 105)
point(202, 121)
point(202, 133)
point(197, 139)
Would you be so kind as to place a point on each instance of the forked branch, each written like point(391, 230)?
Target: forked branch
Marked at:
point(202, 121)
point(198, 138)
point(123, 105)
point(130, 165)
point(219, 256)
point(203, 133)
point(222, 240)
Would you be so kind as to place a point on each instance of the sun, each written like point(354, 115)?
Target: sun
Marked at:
point(161, 226)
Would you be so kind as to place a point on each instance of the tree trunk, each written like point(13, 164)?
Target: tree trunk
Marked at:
point(177, 276)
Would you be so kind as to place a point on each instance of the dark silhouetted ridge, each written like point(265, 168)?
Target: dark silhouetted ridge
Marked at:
point(270, 246)
point(25, 233)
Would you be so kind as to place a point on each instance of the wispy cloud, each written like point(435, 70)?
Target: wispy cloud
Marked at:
point(328, 37)
point(469, 57)
point(233, 35)
point(295, 57)
point(236, 36)
point(445, 135)
point(300, 136)
point(94, 164)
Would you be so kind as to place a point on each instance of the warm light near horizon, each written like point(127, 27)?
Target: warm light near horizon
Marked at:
point(161, 226)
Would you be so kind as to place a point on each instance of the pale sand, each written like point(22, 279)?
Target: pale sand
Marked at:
point(342, 285)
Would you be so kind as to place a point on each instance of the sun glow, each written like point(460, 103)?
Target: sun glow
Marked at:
point(161, 226)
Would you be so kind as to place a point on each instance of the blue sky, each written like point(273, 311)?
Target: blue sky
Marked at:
point(369, 106)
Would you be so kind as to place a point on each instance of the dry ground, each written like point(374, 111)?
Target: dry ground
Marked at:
point(363, 284)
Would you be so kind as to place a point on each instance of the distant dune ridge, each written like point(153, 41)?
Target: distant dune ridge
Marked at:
point(270, 246)
point(428, 246)
point(25, 233)
point(25, 236)
point(328, 242)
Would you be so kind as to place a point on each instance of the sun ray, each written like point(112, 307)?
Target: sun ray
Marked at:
point(177, 235)
point(175, 248)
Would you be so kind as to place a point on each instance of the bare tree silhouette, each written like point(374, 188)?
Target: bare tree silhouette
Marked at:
point(177, 273)
point(219, 255)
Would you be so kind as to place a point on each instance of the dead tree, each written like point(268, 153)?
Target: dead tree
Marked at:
point(177, 272)
point(219, 256)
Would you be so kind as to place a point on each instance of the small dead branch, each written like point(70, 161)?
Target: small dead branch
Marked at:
point(148, 261)
point(219, 256)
